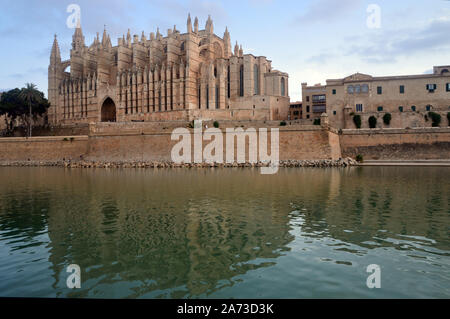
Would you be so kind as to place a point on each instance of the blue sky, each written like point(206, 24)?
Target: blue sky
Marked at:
point(312, 40)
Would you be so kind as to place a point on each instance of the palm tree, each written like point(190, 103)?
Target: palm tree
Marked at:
point(30, 95)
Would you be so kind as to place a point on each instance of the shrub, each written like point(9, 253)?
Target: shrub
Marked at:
point(283, 123)
point(357, 120)
point(372, 122)
point(316, 121)
point(387, 118)
point(435, 118)
point(216, 124)
point(359, 158)
point(448, 118)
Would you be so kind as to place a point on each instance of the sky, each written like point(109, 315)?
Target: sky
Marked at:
point(311, 40)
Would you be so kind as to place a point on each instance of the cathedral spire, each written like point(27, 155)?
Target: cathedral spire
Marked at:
point(209, 25)
point(196, 25)
point(189, 24)
point(56, 54)
point(78, 38)
point(241, 51)
point(236, 49)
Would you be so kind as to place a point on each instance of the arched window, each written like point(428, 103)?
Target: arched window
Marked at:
point(241, 80)
point(207, 96)
point(199, 96)
point(217, 97)
point(228, 83)
point(182, 46)
point(283, 87)
point(256, 78)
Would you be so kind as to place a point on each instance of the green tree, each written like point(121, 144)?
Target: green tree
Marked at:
point(387, 118)
point(372, 122)
point(357, 120)
point(23, 105)
point(435, 118)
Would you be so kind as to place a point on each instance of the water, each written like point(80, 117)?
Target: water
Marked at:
point(225, 233)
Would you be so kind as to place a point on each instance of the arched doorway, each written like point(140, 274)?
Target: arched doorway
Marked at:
point(108, 111)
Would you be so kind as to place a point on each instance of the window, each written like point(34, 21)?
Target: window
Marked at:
point(217, 98)
point(365, 88)
point(334, 91)
point(428, 108)
point(283, 87)
point(379, 90)
point(307, 108)
point(413, 108)
point(359, 107)
point(380, 109)
point(228, 83)
point(334, 112)
point(357, 89)
point(199, 96)
point(431, 88)
point(256, 78)
point(448, 87)
point(241, 81)
point(402, 89)
point(350, 89)
point(307, 116)
point(400, 109)
point(307, 99)
point(207, 96)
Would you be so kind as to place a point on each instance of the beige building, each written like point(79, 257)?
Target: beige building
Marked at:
point(295, 111)
point(180, 76)
point(408, 99)
point(314, 100)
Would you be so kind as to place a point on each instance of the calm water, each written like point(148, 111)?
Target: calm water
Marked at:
point(303, 233)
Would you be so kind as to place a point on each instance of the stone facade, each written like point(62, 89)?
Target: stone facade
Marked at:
point(314, 101)
point(179, 77)
point(407, 98)
point(295, 111)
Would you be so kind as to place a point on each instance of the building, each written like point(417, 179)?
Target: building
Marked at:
point(295, 111)
point(407, 98)
point(182, 76)
point(314, 100)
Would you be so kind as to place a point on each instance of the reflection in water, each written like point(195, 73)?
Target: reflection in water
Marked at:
point(224, 233)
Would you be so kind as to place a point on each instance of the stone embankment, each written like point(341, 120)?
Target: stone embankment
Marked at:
point(343, 162)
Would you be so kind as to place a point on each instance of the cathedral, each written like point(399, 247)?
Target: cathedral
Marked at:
point(177, 77)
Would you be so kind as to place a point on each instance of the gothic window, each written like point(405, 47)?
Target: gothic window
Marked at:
point(126, 102)
point(199, 96)
point(217, 97)
point(283, 87)
point(182, 46)
point(207, 97)
point(256, 78)
point(241, 80)
point(228, 83)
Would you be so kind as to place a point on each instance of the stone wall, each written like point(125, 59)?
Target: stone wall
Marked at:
point(43, 148)
point(397, 144)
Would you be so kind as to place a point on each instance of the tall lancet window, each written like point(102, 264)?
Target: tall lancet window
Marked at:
point(241, 80)
point(283, 87)
point(256, 78)
point(228, 83)
point(207, 96)
point(217, 97)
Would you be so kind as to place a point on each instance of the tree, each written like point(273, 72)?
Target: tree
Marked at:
point(435, 118)
point(30, 95)
point(357, 120)
point(24, 105)
point(387, 118)
point(372, 122)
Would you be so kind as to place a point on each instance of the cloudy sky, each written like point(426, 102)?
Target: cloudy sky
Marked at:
point(312, 40)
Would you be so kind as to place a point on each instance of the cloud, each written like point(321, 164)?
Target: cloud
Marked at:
point(325, 11)
point(389, 45)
